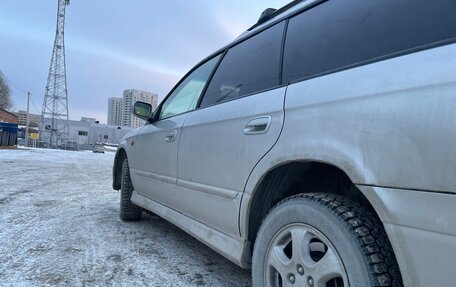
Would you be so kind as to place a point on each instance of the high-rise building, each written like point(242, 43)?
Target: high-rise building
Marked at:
point(34, 120)
point(115, 111)
point(129, 99)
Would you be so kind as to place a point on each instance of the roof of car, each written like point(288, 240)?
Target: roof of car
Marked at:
point(282, 13)
point(275, 13)
point(279, 15)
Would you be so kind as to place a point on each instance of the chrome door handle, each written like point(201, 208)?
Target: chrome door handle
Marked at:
point(258, 125)
point(171, 136)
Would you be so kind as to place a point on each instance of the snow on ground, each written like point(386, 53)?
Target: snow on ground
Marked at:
point(59, 225)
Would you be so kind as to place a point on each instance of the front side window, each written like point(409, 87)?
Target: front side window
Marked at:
point(247, 68)
point(185, 96)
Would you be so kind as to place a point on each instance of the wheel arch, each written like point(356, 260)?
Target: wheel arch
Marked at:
point(121, 154)
point(294, 177)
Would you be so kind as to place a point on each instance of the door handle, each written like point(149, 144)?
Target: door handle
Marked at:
point(171, 136)
point(258, 125)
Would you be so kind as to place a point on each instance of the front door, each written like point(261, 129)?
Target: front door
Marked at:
point(156, 145)
point(156, 159)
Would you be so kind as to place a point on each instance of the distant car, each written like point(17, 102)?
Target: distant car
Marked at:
point(98, 148)
point(318, 148)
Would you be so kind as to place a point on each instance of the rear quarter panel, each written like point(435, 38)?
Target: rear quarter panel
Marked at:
point(388, 125)
point(391, 123)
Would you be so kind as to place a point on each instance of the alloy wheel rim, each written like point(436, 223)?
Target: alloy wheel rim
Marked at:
point(300, 255)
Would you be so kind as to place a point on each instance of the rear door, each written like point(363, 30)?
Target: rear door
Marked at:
point(238, 120)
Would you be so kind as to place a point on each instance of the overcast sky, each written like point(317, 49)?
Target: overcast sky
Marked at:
point(113, 45)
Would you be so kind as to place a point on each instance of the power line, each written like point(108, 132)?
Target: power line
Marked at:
point(20, 90)
point(12, 84)
point(33, 104)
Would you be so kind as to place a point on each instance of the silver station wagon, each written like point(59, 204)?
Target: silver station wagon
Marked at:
point(318, 149)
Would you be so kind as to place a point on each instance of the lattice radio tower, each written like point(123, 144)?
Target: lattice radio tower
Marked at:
point(54, 129)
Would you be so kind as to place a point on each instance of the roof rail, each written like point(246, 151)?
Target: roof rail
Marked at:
point(270, 13)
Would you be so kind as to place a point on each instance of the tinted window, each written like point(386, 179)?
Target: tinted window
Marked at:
point(337, 34)
point(247, 68)
point(185, 96)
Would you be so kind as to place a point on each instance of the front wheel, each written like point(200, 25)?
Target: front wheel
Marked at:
point(323, 240)
point(128, 210)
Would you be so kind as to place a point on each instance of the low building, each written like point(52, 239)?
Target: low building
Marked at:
point(8, 129)
point(8, 117)
point(84, 134)
point(89, 120)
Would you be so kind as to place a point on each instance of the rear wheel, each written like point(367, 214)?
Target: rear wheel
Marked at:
point(323, 240)
point(128, 210)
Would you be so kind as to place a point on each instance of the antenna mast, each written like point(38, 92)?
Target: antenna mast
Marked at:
point(54, 128)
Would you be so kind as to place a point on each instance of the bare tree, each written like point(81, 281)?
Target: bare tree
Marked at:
point(5, 95)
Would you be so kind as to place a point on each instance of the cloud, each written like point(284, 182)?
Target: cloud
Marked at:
point(117, 45)
point(101, 50)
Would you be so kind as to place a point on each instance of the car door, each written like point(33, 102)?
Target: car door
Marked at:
point(156, 144)
point(239, 119)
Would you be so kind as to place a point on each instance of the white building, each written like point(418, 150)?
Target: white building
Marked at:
point(87, 132)
point(115, 111)
point(129, 98)
point(89, 120)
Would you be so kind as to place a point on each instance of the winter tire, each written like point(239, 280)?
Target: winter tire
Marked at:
point(323, 240)
point(128, 210)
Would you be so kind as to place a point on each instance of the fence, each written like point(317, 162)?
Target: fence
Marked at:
point(8, 134)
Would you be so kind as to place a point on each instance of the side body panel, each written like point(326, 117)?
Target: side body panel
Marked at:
point(422, 229)
point(235, 249)
point(390, 124)
point(154, 170)
point(216, 156)
point(124, 145)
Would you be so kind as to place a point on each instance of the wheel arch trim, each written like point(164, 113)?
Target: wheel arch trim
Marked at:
point(117, 167)
point(354, 169)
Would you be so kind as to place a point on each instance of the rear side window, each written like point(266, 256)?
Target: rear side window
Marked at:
point(247, 68)
point(338, 34)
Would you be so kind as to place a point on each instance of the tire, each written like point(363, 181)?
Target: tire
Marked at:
point(341, 243)
point(128, 210)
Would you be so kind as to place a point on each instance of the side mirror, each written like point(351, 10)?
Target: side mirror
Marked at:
point(142, 110)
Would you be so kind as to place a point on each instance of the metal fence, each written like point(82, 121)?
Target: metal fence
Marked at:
point(8, 134)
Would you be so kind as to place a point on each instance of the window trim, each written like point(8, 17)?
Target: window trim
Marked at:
point(376, 60)
point(244, 96)
point(266, 26)
point(360, 63)
point(203, 93)
point(281, 56)
point(282, 50)
point(222, 51)
point(158, 110)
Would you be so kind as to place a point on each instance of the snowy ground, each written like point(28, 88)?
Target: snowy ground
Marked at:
point(59, 225)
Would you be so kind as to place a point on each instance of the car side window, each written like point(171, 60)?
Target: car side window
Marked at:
point(249, 67)
point(341, 34)
point(185, 96)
